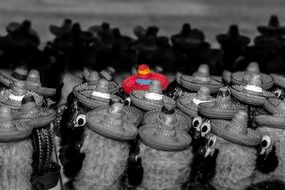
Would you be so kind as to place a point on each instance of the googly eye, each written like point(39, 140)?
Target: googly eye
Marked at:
point(81, 120)
point(266, 141)
point(197, 121)
point(212, 141)
point(128, 101)
point(278, 93)
point(205, 128)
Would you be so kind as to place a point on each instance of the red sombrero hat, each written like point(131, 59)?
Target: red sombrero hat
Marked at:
point(13, 97)
point(252, 93)
point(201, 78)
point(142, 80)
point(243, 77)
point(236, 130)
point(189, 102)
point(223, 107)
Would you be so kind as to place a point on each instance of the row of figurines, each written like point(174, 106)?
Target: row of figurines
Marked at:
point(232, 158)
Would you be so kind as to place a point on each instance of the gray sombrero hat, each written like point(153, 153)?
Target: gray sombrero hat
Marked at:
point(252, 93)
point(243, 77)
point(150, 99)
point(156, 117)
point(189, 102)
point(279, 80)
point(236, 130)
point(165, 136)
point(33, 83)
point(11, 129)
point(131, 114)
point(93, 98)
point(110, 123)
point(201, 78)
point(93, 80)
point(36, 116)
point(223, 107)
point(7, 77)
point(13, 97)
point(277, 120)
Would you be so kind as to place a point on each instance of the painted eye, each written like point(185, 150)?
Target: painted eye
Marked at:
point(212, 141)
point(278, 93)
point(81, 120)
point(266, 141)
point(205, 128)
point(197, 121)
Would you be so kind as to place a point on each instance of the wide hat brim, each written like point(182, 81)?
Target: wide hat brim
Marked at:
point(242, 40)
point(113, 87)
point(219, 127)
point(88, 100)
point(43, 117)
point(271, 121)
point(269, 29)
point(96, 121)
point(44, 91)
point(192, 84)
point(132, 115)
point(20, 130)
point(139, 100)
point(250, 97)
point(149, 136)
point(15, 104)
point(130, 84)
point(237, 78)
point(226, 111)
point(186, 104)
point(271, 104)
point(6, 77)
point(278, 80)
point(154, 118)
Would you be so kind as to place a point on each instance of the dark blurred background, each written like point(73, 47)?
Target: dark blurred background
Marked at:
point(212, 16)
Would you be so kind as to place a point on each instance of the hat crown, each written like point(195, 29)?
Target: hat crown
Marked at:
point(203, 70)
point(253, 67)
point(224, 94)
point(273, 21)
point(186, 29)
point(115, 114)
point(203, 93)
point(155, 87)
point(22, 70)
point(239, 123)
point(93, 77)
point(255, 80)
point(19, 87)
point(233, 31)
point(143, 69)
point(102, 86)
point(169, 121)
point(28, 103)
point(34, 76)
